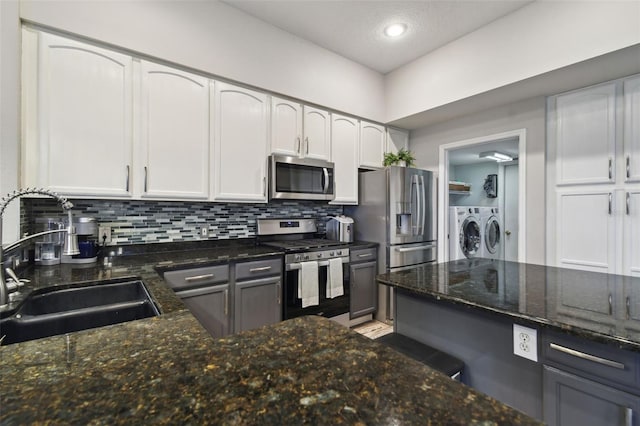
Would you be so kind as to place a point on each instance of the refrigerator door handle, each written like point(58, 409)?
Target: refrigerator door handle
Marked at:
point(414, 217)
point(424, 205)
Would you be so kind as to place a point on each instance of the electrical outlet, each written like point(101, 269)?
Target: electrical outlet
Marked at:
point(204, 232)
point(525, 342)
point(104, 234)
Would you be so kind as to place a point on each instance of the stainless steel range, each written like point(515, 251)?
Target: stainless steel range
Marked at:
point(298, 239)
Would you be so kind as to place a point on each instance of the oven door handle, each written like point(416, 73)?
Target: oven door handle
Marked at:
point(294, 266)
point(404, 250)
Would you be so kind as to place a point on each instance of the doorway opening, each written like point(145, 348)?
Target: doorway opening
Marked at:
point(478, 176)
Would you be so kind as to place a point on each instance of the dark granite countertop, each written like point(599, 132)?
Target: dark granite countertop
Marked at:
point(596, 306)
point(169, 370)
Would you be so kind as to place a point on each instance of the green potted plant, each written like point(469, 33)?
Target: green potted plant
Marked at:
point(404, 157)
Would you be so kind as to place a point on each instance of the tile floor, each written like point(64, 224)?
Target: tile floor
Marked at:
point(374, 329)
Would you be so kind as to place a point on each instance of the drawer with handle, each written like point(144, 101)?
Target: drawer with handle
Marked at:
point(591, 359)
point(197, 277)
point(363, 255)
point(258, 268)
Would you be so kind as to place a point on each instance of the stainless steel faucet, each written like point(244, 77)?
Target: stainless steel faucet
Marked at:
point(70, 245)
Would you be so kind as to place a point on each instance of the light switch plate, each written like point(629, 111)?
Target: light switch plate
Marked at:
point(525, 342)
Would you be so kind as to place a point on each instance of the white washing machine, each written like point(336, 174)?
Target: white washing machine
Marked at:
point(491, 233)
point(465, 232)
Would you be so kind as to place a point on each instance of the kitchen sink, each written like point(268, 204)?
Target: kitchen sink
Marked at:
point(64, 310)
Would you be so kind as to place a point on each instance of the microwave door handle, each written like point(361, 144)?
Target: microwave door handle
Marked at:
point(325, 180)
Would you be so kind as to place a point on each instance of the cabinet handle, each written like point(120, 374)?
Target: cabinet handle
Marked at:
point(298, 148)
point(610, 203)
point(628, 167)
point(198, 277)
point(628, 303)
point(278, 289)
point(610, 304)
point(307, 142)
point(628, 416)
point(145, 179)
point(264, 268)
point(610, 168)
point(126, 184)
point(588, 357)
point(365, 255)
point(264, 186)
point(627, 202)
point(226, 302)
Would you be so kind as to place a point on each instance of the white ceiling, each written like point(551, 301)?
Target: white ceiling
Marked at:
point(354, 28)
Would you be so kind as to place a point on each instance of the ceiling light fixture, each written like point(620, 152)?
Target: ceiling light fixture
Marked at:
point(496, 156)
point(395, 30)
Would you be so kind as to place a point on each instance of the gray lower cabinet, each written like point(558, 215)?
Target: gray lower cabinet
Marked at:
point(210, 305)
point(257, 303)
point(258, 294)
point(570, 400)
point(362, 281)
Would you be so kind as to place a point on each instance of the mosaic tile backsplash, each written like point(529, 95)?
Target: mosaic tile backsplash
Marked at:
point(137, 222)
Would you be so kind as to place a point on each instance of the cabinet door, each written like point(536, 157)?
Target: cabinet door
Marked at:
point(585, 237)
point(174, 130)
point(372, 145)
point(344, 147)
point(631, 222)
point(84, 115)
point(240, 144)
point(317, 134)
point(586, 136)
point(571, 400)
point(631, 88)
point(286, 127)
point(363, 288)
point(396, 140)
point(210, 305)
point(258, 303)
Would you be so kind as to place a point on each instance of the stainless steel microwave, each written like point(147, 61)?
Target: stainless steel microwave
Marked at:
point(293, 178)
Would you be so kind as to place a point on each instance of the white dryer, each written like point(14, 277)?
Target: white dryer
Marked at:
point(491, 233)
point(465, 232)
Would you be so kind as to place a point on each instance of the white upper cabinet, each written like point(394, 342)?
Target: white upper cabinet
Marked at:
point(586, 238)
point(372, 145)
point(174, 134)
point(317, 133)
point(396, 140)
point(631, 249)
point(240, 144)
point(286, 127)
point(77, 117)
point(344, 146)
point(631, 89)
point(586, 136)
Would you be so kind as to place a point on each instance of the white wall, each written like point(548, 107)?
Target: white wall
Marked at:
point(9, 113)
point(528, 114)
point(215, 38)
point(536, 39)
point(474, 174)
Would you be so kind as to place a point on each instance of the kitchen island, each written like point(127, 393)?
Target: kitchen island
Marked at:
point(168, 369)
point(582, 331)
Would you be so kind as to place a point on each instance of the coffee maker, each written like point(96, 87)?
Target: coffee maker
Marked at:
point(49, 247)
point(87, 231)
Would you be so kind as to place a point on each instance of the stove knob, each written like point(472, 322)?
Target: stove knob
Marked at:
point(332, 254)
point(319, 255)
point(296, 258)
point(306, 257)
point(339, 252)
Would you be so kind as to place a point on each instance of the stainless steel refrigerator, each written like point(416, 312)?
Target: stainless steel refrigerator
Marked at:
point(396, 208)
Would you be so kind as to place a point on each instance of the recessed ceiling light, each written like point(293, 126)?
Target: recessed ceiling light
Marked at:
point(395, 30)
